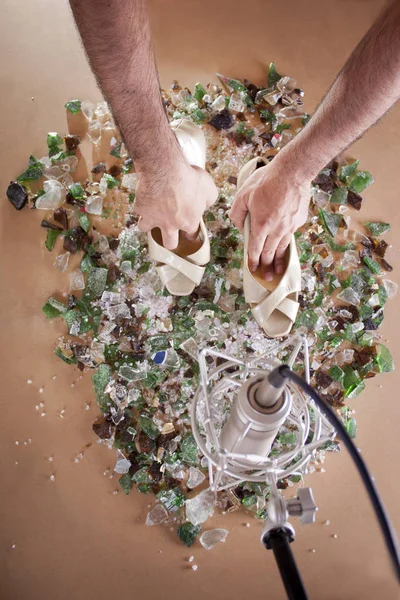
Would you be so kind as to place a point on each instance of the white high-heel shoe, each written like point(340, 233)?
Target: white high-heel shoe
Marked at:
point(182, 269)
point(274, 304)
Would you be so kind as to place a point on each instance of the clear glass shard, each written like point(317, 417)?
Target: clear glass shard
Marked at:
point(87, 109)
point(320, 198)
point(53, 197)
point(94, 132)
point(350, 296)
point(102, 244)
point(76, 280)
point(219, 103)
point(157, 515)
point(94, 205)
point(201, 507)
point(286, 85)
point(129, 182)
point(119, 311)
point(196, 477)
point(61, 262)
point(236, 103)
point(122, 465)
point(209, 539)
point(391, 288)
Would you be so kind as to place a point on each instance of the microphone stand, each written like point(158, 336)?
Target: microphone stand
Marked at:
point(278, 540)
point(278, 534)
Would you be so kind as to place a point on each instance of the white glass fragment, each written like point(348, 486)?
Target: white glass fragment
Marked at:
point(209, 539)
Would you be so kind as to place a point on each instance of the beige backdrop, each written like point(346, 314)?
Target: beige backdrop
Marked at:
point(73, 538)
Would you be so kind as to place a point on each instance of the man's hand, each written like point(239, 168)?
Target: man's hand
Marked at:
point(278, 204)
point(174, 202)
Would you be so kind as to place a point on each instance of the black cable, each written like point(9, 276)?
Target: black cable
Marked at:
point(278, 541)
point(380, 511)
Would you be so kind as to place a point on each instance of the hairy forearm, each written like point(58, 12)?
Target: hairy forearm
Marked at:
point(116, 37)
point(365, 89)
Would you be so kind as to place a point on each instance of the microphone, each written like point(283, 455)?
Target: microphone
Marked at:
point(260, 410)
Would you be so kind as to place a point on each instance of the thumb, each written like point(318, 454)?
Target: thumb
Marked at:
point(170, 238)
point(239, 212)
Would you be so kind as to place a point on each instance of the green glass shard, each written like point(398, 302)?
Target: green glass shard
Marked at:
point(348, 171)
point(352, 382)
point(126, 483)
point(144, 268)
point(249, 500)
point(218, 249)
point(84, 221)
point(54, 142)
point(77, 191)
point(339, 247)
point(198, 116)
point(96, 282)
point(372, 264)
point(318, 298)
point(282, 127)
point(74, 106)
point(268, 116)
point(33, 172)
point(234, 85)
point(287, 438)
point(336, 341)
point(377, 228)
point(360, 181)
point(73, 321)
point(142, 476)
point(86, 264)
point(188, 533)
point(112, 182)
point(189, 450)
point(307, 318)
point(143, 488)
point(149, 428)
point(350, 377)
point(70, 360)
point(273, 75)
point(339, 196)
point(330, 221)
point(51, 237)
point(199, 92)
point(351, 428)
point(383, 296)
point(116, 150)
point(61, 155)
point(157, 343)
point(172, 499)
point(365, 311)
point(53, 308)
point(336, 373)
point(384, 360)
point(100, 380)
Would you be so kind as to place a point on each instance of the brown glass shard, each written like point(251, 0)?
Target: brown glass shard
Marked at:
point(386, 265)
point(60, 215)
point(47, 225)
point(115, 170)
point(99, 168)
point(17, 195)
point(222, 120)
point(72, 142)
point(103, 430)
point(354, 200)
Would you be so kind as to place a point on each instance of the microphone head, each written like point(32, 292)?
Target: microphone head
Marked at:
point(248, 424)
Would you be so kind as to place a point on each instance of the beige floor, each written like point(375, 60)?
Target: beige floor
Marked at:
point(75, 539)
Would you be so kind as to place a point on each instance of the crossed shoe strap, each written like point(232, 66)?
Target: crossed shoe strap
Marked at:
point(276, 300)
